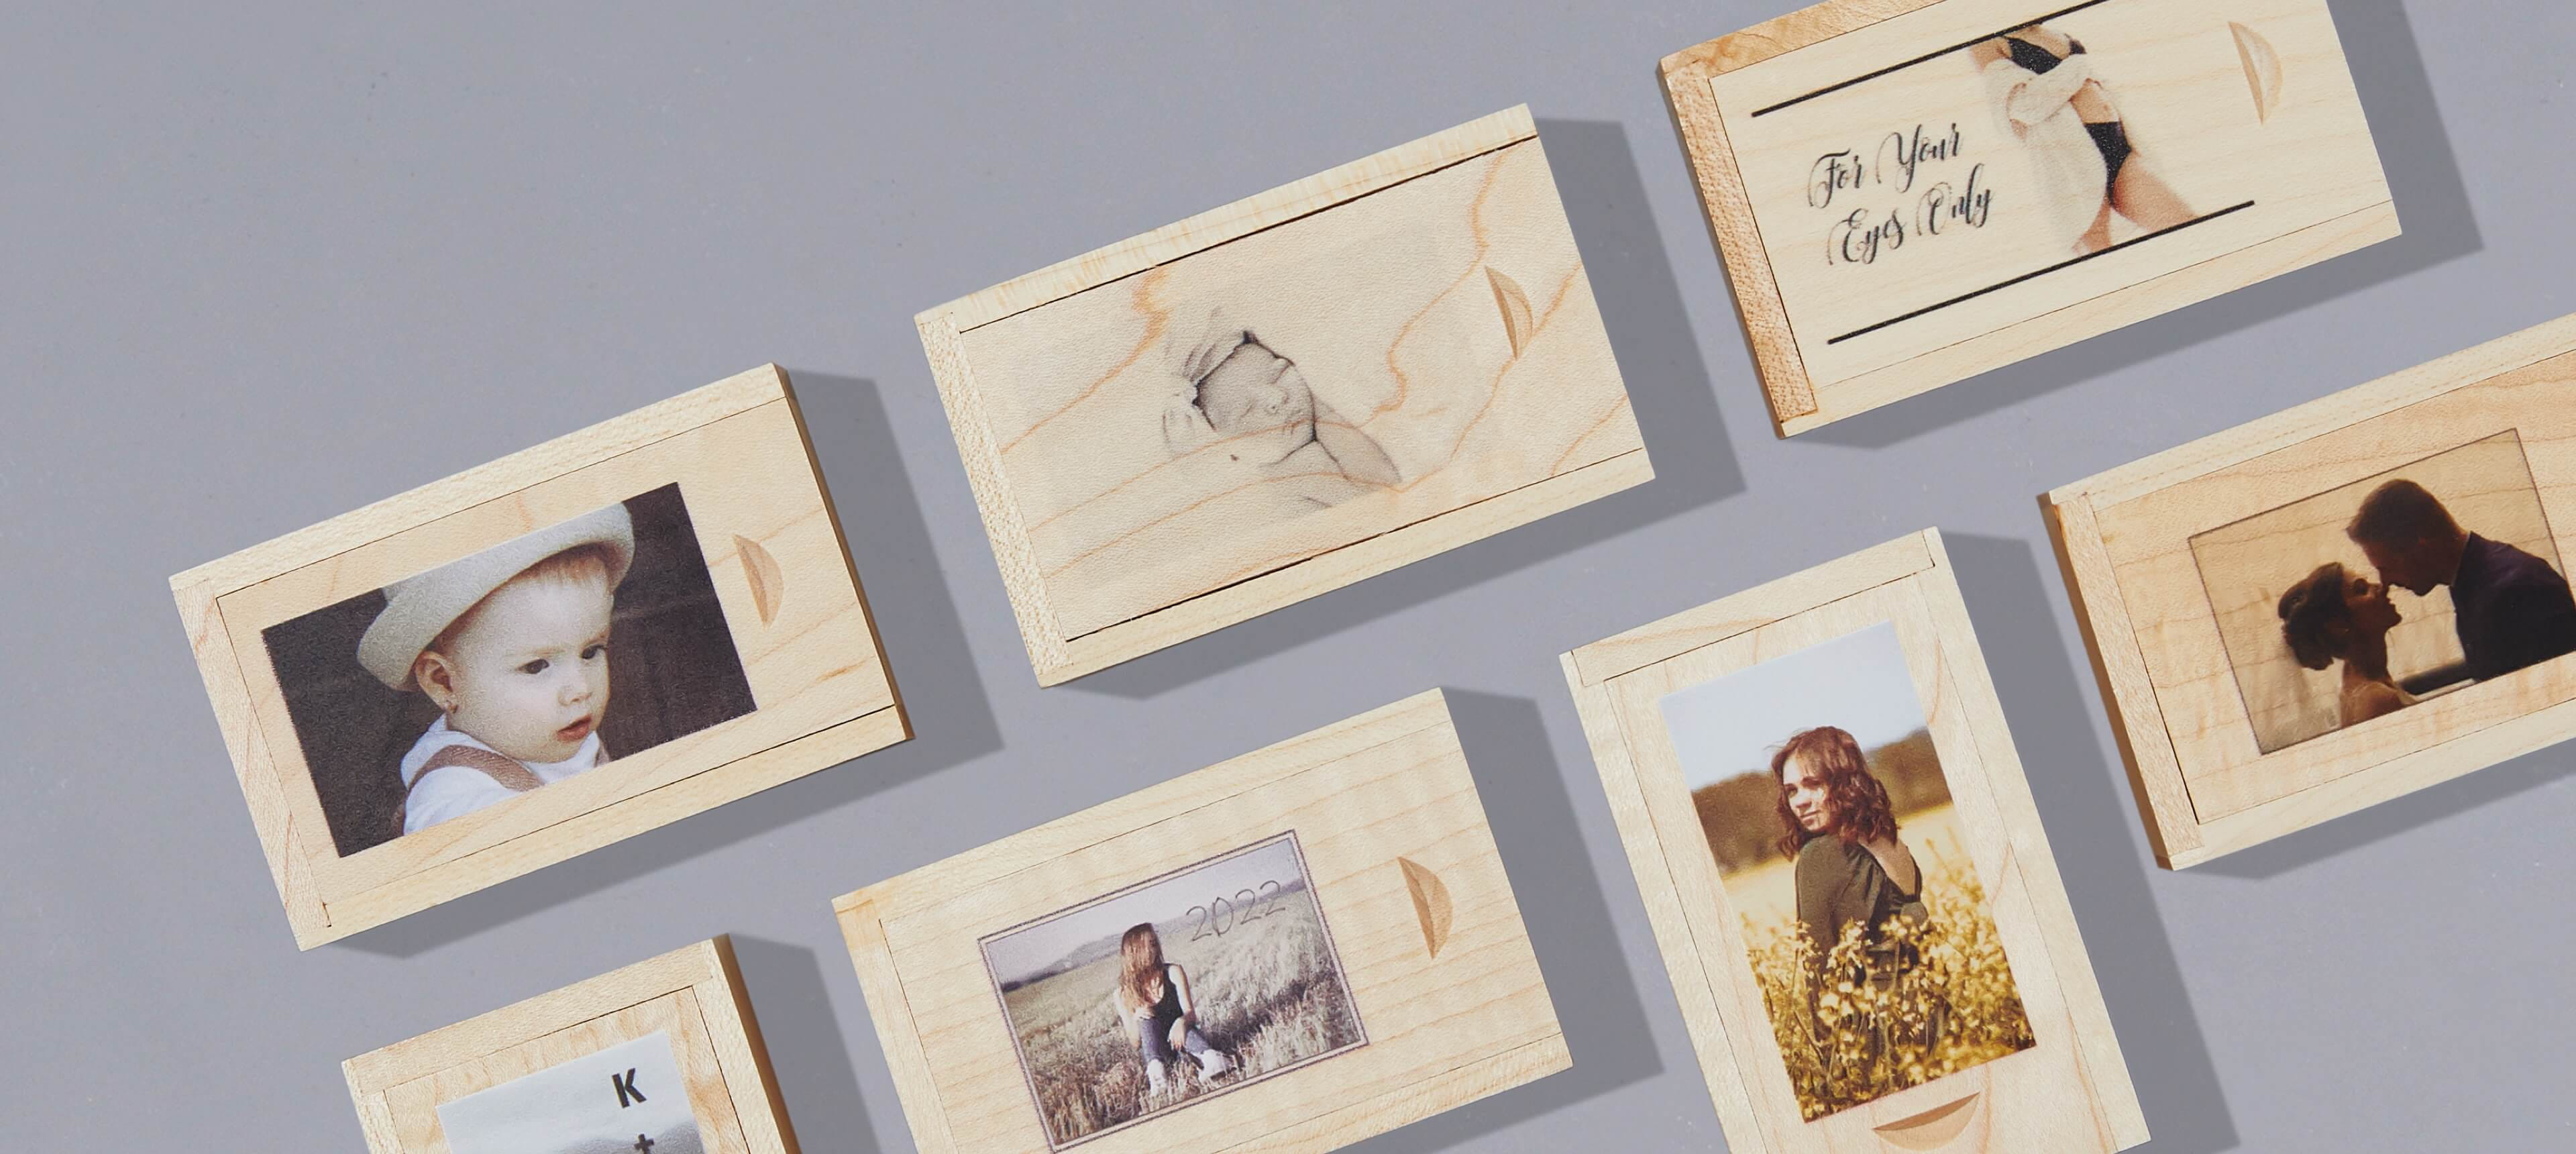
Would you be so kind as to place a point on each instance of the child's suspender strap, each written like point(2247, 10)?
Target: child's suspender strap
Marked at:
point(508, 774)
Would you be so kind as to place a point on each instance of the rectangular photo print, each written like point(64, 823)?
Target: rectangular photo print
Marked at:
point(627, 1099)
point(2375, 596)
point(545, 656)
point(1173, 990)
point(1820, 792)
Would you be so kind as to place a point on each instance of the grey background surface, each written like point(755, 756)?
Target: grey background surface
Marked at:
point(267, 265)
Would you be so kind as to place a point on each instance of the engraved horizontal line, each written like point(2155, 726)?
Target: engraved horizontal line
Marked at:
point(2035, 273)
point(1903, 65)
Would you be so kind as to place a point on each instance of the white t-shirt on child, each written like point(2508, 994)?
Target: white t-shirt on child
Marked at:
point(456, 790)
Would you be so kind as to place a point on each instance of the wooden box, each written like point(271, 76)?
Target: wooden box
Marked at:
point(1903, 198)
point(2187, 569)
point(1386, 978)
point(679, 1020)
point(1283, 396)
point(1685, 717)
point(742, 657)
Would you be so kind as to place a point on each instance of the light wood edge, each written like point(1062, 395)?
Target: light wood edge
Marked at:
point(1013, 552)
point(2465, 754)
point(2324, 415)
point(849, 565)
point(1349, 564)
point(992, 861)
point(2120, 671)
point(705, 968)
point(1704, 625)
point(2102, 1067)
point(1240, 219)
point(743, 1055)
point(1790, 392)
point(890, 1011)
point(1711, 1040)
point(271, 817)
point(1416, 1100)
point(1728, 210)
point(578, 450)
point(2085, 319)
point(694, 794)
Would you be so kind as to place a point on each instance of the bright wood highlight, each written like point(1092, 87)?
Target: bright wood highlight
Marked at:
point(2071, 1091)
point(693, 994)
point(781, 572)
point(2241, 154)
point(2146, 546)
point(1283, 396)
point(1372, 801)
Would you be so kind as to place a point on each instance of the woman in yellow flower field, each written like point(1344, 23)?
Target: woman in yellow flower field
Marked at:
point(1852, 873)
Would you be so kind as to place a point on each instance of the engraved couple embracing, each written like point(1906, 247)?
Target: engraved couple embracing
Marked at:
point(2509, 607)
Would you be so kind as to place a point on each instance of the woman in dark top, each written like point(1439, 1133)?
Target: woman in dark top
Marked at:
point(1840, 828)
point(2062, 83)
point(1154, 1000)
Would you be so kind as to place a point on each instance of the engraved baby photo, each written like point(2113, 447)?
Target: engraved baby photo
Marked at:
point(1195, 983)
point(2372, 597)
point(1823, 800)
point(536, 659)
point(1339, 376)
point(626, 1099)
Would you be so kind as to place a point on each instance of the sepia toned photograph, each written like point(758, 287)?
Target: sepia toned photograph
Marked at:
point(1821, 794)
point(2367, 599)
point(627, 1099)
point(537, 659)
point(1168, 992)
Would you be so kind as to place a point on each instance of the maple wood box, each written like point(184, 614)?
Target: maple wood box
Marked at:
point(673, 585)
point(1910, 192)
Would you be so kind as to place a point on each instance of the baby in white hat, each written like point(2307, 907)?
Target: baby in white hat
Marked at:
point(512, 645)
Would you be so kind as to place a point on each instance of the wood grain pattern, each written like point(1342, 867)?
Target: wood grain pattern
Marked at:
point(1387, 785)
point(693, 994)
point(2071, 1091)
point(811, 657)
point(2293, 168)
point(1390, 358)
point(2491, 430)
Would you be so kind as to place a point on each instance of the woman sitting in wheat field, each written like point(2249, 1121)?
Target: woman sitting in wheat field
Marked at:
point(1154, 1000)
point(1839, 826)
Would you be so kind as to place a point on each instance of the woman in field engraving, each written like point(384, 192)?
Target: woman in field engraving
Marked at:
point(1154, 1000)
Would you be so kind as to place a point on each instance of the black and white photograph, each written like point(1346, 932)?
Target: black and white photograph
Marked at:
point(532, 661)
point(627, 1099)
point(1192, 984)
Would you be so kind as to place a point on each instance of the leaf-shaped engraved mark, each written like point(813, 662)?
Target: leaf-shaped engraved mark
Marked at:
point(2262, 69)
point(760, 569)
point(1430, 903)
point(1514, 305)
point(1933, 1128)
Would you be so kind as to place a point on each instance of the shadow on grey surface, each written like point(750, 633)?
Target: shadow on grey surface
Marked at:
point(2423, 179)
point(925, 647)
point(2474, 790)
point(809, 1057)
point(2093, 832)
point(1668, 386)
point(1562, 904)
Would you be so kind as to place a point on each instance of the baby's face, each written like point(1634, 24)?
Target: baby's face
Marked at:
point(1258, 399)
point(528, 671)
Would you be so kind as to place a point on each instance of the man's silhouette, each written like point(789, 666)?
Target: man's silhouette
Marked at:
point(2511, 609)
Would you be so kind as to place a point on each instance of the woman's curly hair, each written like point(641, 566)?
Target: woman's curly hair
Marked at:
point(2309, 613)
point(1858, 801)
